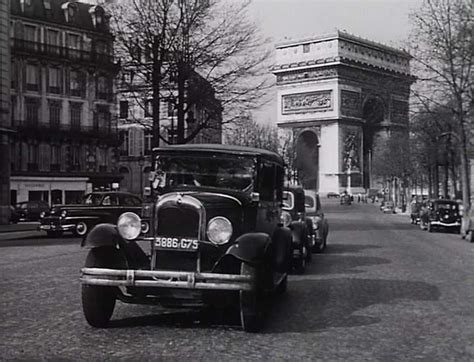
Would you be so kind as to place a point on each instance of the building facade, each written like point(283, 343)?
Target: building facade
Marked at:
point(136, 120)
point(62, 101)
point(340, 97)
point(5, 130)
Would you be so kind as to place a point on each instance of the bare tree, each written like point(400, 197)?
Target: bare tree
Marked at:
point(176, 40)
point(442, 45)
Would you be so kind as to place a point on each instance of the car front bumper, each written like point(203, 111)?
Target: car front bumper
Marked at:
point(56, 227)
point(165, 279)
point(445, 224)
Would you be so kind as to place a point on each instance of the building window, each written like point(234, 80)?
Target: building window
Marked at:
point(53, 41)
point(13, 110)
point(123, 109)
point(77, 83)
point(75, 158)
point(148, 142)
point(124, 139)
point(102, 118)
point(74, 46)
point(102, 88)
point(55, 158)
point(30, 34)
point(14, 75)
point(33, 156)
point(76, 110)
point(54, 114)
point(305, 48)
point(54, 80)
point(32, 77)
point(171, 109)
point(32, 111)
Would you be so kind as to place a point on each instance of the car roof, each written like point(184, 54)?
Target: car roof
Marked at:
point(112, 193)
point(223, 149)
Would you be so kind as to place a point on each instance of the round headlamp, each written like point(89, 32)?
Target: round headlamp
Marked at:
point(129, 225)
point(63, 213)
point(285, 218)
point(219, 230)
point(42, 214)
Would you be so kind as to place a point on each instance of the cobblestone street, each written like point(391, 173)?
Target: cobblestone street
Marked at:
point(383, 290)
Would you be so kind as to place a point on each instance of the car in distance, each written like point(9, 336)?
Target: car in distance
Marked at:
point(388, 207)
point(29, 210)
point(332, 194)
point(294, 217)
point(94, 208)
point(346, 199)
point(319, 221)
point(216, 241)
point(441, 213)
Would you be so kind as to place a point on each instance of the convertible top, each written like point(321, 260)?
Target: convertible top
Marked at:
point(211, 148)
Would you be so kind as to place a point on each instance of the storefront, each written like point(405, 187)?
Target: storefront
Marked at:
point(54, 190)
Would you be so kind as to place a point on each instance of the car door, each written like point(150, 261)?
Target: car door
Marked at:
point(268, 213)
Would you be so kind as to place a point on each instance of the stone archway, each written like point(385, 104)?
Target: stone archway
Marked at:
point(307, 159)
point(373, 114)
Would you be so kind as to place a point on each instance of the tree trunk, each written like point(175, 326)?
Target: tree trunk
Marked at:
point(156, 80)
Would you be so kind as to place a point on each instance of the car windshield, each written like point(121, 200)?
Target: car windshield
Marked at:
point(446, 206)
point(236, 173)
point(92, 199)
point(288, 200)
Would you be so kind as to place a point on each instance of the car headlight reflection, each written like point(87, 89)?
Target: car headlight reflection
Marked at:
point(219, 230)
point(285, 218)
point(129, 225)
point(316, 221)
point(63, 213)
point(42, 214)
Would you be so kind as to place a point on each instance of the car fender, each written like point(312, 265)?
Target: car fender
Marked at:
point(103, 235)
point(298, 232)
point(252, 248)
point(282, 249)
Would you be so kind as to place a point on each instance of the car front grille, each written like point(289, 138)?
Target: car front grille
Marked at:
point(175, 260)
point(175, 220)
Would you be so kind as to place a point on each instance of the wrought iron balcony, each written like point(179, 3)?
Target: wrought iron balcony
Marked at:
point(54, 51)
point(76, 130)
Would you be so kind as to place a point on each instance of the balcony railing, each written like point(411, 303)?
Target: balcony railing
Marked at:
point(94, 130)
point(55, 51)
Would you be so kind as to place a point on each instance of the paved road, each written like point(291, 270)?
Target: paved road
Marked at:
point(384, 290)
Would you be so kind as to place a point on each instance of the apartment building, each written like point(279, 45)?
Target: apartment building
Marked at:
point(62, 101)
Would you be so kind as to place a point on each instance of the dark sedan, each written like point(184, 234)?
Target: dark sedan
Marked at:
point(94, 208)
point(29, 210)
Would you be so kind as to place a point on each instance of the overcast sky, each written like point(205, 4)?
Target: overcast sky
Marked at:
point(384, 21)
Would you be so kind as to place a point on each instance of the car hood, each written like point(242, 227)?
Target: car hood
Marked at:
point(215, 200)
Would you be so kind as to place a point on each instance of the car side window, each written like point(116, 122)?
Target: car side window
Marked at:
point(127, 200)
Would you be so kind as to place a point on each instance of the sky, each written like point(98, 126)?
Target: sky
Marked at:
point(384, 21)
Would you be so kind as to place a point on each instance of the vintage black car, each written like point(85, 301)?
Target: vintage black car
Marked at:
point(95, 208)
point(294, 217)
point(217, 240)
point(29, 210)
point(345, 199)
point(320, 223)
point(440, 213)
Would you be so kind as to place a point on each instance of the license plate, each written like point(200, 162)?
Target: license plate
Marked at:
point(168, 243)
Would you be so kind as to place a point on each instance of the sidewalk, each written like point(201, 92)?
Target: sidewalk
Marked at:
point(23, 226)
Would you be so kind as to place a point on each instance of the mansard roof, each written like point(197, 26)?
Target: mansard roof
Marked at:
point(54, 11)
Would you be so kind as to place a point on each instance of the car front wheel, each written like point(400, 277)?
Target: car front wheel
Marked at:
point(251, 311)
point(81, 228)
point(98, 302)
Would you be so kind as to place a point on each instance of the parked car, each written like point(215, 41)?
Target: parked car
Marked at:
point(333, 194)
point(388, 207)
point(346, 199)
point(217, 239)
point(294, 217)
point(441, 213)
point(94, 208)
point(319, 221)
point(29, 210)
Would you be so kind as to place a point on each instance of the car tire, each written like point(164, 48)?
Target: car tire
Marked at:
point(321, 247)
point(98, 302)
point(251, 311)
point(54, 234)
point(81, 229)
point(300, 263)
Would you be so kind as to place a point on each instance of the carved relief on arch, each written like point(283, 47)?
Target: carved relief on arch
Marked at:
point(351, 103)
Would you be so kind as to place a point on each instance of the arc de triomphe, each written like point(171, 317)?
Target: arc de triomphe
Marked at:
point(340, 97)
